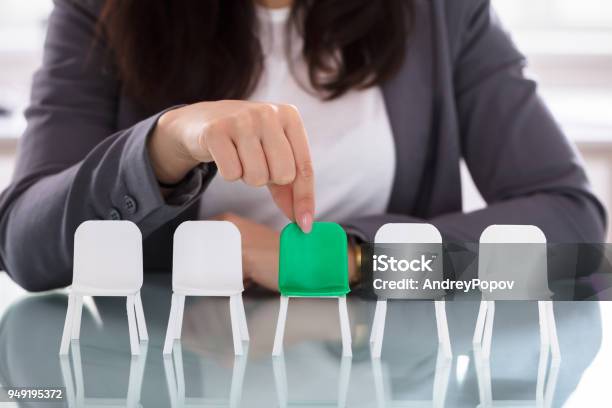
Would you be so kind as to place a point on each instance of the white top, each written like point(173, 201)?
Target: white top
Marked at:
point(352, 147)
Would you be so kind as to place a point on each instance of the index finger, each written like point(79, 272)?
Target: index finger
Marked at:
point(303, 184)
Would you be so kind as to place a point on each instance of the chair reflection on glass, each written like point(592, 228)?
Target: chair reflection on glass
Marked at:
point(282, 388)
point(107, 262)
point(207, 261)
point(313, 265)
point(175, 379)
point(516, 252)
point(440, 385)
point(410, 233)
point(545, 385)
point(75, 384)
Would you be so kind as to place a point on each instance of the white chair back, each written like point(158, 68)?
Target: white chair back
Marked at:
point(514, 253)
point(512, 234)
point(107, 257)
point(412, 239)
point(207, 258)
point(408, 233)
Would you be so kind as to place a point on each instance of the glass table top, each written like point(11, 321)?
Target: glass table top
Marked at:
point(203, 371)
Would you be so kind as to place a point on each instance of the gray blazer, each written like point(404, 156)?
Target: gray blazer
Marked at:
point(460, 94)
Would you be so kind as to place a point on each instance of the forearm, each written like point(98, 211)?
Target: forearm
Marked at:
point(562, 217)
point(38, 218)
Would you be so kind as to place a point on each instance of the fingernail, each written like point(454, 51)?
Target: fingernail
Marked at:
point(306, 223)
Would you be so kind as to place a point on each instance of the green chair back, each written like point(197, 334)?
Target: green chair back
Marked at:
point(313, 264)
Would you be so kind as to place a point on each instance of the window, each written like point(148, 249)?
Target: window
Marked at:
point(568, 44)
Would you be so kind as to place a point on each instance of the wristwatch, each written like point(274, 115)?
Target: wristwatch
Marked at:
point(356, 260)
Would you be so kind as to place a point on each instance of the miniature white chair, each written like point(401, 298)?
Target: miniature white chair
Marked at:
point(207, 261)
point(493, 257)
point(175, 379)
point(408, 233)
point(75, 384)
point(107, 262)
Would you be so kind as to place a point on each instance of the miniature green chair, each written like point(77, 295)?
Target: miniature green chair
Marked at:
point(313, 265)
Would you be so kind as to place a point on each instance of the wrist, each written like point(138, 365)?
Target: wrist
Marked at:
point(169, 157)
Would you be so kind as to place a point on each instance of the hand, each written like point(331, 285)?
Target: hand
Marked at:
point(260, 143)
point(259, 250)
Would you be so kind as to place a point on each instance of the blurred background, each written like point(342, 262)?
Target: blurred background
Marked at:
point(568, 44)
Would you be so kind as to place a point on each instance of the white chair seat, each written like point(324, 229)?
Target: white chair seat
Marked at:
point(206, 292)
point(92, 291)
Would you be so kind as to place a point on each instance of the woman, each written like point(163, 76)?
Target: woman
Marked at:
point(151, 111)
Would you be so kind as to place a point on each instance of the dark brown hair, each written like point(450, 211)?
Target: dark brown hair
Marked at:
point(171, 51)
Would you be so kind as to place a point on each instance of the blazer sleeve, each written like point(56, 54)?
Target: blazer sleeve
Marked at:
point(522, 164)
point(73, 163)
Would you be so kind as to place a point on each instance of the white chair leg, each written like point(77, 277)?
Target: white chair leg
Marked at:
point(541, 379)
point(379, 385)
point(442, 324)
point(552, 334)
point(244, 329)
point(483, 375)
point(345, 327)
point(441, 378)
point(140, 369)
point(488, 329)
point(78, 374)
point(170, 380)
point(344, 380)
point(133, 330)
point(480, 323)
point(177, 355)
point(280, 326)
point(377, 314)
point(235, 318)
point(551, 383)
point(68, 381)
point(137, 368)
point(171, 326)
point(478, 367)
point(140, 319)
point(280, 380)
point(237, 381)
point(65, 343)
point(180, 310)
point(76, 322)
point(543, 320)
point(378, 331)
